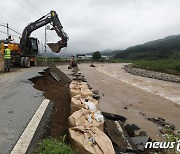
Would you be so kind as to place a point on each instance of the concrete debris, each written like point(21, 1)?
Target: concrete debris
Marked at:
point(96, 92)
point(142, 133)
point(122, 143)
point(114, 117)
point(140, 142)
point(151, 74)
point(131, 129)
point(55, 76)
point(96, 96)
point(161, 122)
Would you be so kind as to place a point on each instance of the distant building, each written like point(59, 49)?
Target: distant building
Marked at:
point(82, 56)
point(105, 57)
point(88, 57)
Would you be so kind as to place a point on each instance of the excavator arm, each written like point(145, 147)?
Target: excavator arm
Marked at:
point(51, 18)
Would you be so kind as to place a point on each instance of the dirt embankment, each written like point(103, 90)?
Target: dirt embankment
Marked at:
point(57, 92)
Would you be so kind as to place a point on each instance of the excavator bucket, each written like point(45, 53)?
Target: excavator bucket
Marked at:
point(56, 47)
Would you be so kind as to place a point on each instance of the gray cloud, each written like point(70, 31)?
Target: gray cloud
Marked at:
point(98, 25)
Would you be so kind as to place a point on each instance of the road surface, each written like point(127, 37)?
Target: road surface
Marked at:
point(118, 90)
point(18, 103)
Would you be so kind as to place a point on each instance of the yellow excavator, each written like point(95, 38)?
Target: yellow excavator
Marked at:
point(25, 53)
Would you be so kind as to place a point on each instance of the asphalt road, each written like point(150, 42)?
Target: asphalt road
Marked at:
point(18, 103)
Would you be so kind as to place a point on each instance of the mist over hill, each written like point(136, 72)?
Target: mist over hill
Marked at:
point(168, 47)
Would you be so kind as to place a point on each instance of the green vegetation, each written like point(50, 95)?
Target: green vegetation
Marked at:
point(168, 66)
point(167, 48)
point(53, 146)
point(96, 55)
point(171, 66)
point(172, 136)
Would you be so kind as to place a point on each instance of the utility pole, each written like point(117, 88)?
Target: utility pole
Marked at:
point(7, 32)
point(45, 44)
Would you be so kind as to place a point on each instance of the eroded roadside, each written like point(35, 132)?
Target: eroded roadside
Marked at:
point(58, 93)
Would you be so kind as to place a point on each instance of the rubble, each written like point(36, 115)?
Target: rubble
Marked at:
point(124, 138)
point(140, 142)
point(114, 117)
point(161, 122)
point(55, 76)
point(151, 74)
point(121, 141)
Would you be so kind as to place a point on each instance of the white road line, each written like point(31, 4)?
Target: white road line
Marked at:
point(25, 139)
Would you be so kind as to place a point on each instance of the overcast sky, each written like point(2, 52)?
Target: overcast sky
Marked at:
point(97, 24)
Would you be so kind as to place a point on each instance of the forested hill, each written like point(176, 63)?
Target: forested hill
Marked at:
point(168, 47)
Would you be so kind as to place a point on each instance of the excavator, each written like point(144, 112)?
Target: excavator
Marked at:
point(26, 52)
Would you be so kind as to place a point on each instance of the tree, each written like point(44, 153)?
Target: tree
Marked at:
point(96, 55)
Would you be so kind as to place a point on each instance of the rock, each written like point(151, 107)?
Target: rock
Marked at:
point(92, 65)
point(120, 139)
point(142, 133)
point(135, 127)
point(69, 67)
point(151, 74)
point(171, 126)
point(96, 92)
point(131, 129)
point(114, 117)
point(140, 141)
point(125, 107)
point(96, 96)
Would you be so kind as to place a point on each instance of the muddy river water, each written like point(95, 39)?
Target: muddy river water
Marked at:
point(168, 90)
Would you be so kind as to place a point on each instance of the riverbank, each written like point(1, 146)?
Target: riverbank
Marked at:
point(151, 74)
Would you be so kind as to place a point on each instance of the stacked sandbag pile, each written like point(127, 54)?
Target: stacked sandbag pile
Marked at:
point(86, 122)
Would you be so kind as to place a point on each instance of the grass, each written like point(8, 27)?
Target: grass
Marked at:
point(171, 66)
point(172, 136)
point(54, 146)
point(53, 59)
point(168, 66)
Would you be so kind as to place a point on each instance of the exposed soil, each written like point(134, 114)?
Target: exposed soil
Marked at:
point(57, 92)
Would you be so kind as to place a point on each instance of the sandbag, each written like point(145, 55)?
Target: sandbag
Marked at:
point(78, 102)
point(83, 90)
point(86, 92)
point(87, 118)
point(76, 84)
point(74, 91)
point(90, 140)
